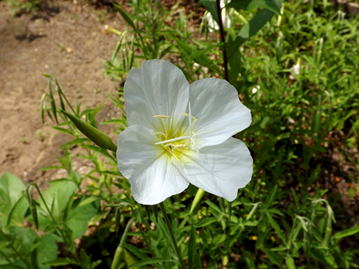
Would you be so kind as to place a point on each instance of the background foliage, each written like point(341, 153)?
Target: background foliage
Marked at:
point(295, 66)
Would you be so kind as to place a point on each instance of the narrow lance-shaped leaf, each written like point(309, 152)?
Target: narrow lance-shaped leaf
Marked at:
point(149, 261)
point(254, 25)
point(94, 134)
point(290, 262)
point(52, 102)
point(347, 232)
point(126, 16)
point(32, 206)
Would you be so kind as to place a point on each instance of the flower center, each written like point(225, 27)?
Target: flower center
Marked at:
point(175, 137)
point(176, 147)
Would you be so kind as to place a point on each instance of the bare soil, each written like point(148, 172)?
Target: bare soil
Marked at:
point(66, 39)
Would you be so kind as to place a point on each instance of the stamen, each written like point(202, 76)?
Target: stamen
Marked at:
point(172, 140)
point(160, 116)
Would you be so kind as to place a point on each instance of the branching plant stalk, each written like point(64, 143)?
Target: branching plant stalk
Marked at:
point(223, 40)
point(17, 253)
point(60, 227)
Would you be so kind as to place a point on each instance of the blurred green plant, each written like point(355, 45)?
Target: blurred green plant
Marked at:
point(32, 229)
point(295, 65)
point(21, 6)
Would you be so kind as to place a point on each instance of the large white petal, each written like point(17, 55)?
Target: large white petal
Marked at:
point(221, 169)
point(135, 149)
point(219, 112)
point(153, 177)
point(157, 182)
point(157, 88)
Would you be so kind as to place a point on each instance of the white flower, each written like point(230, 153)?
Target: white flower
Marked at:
point(179, 134)
point(295, 70)
point(255, 89)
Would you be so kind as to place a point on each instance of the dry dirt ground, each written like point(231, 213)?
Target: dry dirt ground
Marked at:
point(67, 40)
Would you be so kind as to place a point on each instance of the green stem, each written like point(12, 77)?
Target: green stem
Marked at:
point(147, 239)
point(228, 228)
point(119, 249)
point(197, 199)
point(173, 239)
point(223, 39)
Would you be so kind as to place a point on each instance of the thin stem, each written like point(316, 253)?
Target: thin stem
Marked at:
point(223, 39)
point(174, 243)
point(147, 239)
point(119, 249)
point(228, 228)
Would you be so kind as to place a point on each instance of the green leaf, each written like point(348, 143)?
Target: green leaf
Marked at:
point(136, 252)
point(12, 186)
point(13, 204)
point(205, 222)
point(88, 201)
point(62, 261)
point(151, 261)
point(94, 134)
point(290, 262)
point(324, 257)
point(271, 197)
point(273, 257)
point(46, 250)
point(235, 63)
point(253, 4)
point(32, 207)
point(215, 208)
point(165, 232)
point(197, 54)
point(17, 212)
point(21, 244)
point(130, 260)
point(79, 217)
point(347, 232)
point(9, 266)
point(276, 227)
point(250, 29)
point(57, 199)
point(126, 16)
point(74, 214)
